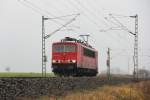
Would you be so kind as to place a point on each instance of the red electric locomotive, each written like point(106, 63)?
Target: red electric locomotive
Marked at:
point(71, 57)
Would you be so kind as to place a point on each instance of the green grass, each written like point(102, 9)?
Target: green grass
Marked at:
point(24, 74)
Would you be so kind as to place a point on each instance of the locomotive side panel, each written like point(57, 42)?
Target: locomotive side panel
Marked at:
point(87, 58)
point(79, 55)
point(97, 61)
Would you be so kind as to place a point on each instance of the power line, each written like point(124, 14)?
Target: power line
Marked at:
point(31, 7)
point(66, 16)
point(119, 27)
point(67, 5)
point(86, 9)
point(119, 16)
point(52, 6)
point(64, 25)
point(30, 3)
point(95, 9)
point(107, 18)
point(113, 23)
point(58, 10)
point(99, 7)
point(40, 11)
point(84, 14)
point(90, 19)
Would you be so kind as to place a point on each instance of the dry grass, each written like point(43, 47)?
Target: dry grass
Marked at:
point(134, 91)
point(144, 87)
point(122, 92)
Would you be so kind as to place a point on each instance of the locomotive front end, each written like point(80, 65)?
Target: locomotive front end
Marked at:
point(64, 58)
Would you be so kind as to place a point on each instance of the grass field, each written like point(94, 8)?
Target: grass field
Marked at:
point(24, 74)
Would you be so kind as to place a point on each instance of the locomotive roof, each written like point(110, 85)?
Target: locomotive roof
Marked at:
point(69, 40)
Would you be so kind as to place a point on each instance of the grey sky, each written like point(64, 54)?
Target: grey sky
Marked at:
point(20, 30)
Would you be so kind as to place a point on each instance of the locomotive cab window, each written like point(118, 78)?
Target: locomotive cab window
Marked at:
point(64, 48)
point(69, 48)
point(58, 48)
point(88, 53)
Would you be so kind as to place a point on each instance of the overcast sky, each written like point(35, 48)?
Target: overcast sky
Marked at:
point(20, 31)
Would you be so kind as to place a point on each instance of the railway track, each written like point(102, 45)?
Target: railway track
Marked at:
point(11, 88)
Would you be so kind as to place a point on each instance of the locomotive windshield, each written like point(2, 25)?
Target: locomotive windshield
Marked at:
point(64, 48)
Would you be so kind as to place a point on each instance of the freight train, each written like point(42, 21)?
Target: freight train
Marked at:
point(72, 57)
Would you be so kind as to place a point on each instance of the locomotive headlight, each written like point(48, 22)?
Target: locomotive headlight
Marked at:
point(53, 61)
point(59, 61)
point(73, 61)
